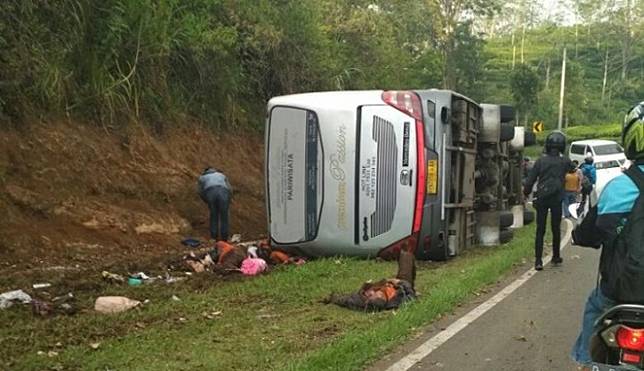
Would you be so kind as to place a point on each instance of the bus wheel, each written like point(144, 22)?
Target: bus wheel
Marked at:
point(528, 217)
point(506, 235)
point(506, 219)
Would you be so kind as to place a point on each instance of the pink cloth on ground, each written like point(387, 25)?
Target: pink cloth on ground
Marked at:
point(253, 266)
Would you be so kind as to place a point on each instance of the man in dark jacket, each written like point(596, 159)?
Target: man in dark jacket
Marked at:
point(215, 191)
point(550, 171)
point(602, 227)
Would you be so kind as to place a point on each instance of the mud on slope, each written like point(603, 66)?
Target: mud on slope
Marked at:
point(76, 194)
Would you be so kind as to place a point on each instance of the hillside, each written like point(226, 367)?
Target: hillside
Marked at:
point(78, 195)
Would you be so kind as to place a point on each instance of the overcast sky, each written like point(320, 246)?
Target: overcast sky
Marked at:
point(558, 9)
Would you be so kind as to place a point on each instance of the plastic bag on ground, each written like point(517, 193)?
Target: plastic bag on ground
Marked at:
point(114, 304)
point(8, 298)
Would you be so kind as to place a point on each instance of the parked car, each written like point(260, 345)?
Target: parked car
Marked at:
point(608, 156)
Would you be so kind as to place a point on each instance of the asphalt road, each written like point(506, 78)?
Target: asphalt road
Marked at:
point(534, 328)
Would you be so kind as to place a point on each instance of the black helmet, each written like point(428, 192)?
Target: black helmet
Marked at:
point(633, 133)
point(556, 141)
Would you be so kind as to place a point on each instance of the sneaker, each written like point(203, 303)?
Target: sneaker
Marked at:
point(557, 261)
point(538, 265)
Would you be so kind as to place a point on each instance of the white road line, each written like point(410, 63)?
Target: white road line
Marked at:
point(430, 345)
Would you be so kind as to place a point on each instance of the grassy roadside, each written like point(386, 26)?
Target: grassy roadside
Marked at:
point(270, 322)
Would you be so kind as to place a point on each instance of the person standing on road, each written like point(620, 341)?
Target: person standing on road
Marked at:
point(607, 226)
point(572, 188)
point(215, 191)
point(550, 172)
point(588, 183)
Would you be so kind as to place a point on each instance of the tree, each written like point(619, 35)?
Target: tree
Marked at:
point(525, 85)
point(448, 14)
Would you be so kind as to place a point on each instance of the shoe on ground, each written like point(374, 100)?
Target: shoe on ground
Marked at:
point(557, 260)
point(538, 265)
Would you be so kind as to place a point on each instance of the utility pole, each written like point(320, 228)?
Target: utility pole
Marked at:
point(561, 91)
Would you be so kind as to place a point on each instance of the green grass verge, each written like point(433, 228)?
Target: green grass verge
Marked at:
point(270, 322)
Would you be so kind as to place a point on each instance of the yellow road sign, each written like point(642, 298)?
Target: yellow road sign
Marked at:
point(537, 126)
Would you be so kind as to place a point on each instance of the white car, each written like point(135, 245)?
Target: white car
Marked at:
point(608, 156)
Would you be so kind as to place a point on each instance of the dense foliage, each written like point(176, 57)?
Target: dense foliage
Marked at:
point(220, 60)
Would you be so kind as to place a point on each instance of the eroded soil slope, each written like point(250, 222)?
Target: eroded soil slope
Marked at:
point(79, 195)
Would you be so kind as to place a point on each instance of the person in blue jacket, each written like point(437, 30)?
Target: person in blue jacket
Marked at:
point(215, 190)
point(589, 172)
point(603, 224)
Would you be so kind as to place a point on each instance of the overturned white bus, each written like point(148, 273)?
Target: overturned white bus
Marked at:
point(358, 172)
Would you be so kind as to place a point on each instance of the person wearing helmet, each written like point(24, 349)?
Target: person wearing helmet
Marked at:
point(589, 172)
point(549, 171)
point(606, 226)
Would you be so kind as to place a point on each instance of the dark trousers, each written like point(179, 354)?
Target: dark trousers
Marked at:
point(553, 204)
point(218, 199)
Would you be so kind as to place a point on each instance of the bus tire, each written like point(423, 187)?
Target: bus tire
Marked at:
point(506, 112)
point(528, 217)
point(506, 219)
point(507, 131)
point(506, 235)
point(530, 139)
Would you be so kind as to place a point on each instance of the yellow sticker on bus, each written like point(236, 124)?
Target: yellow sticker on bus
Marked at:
point(432, 177)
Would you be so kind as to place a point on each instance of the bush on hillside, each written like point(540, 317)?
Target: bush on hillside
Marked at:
point(607, 131)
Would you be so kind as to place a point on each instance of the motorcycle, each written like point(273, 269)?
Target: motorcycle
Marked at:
point(618, 341)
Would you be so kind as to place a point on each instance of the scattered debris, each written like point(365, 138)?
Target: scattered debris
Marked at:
point(170, 279)
point(211, 315)
point(252, 251)
point(94, 345)
point(114, 304)
point(134, 281)
point(41, 308)
point(67, 309)
point(52, 354)
point(196, 266)
point(64, 298)
point(141, 276)
point(278, 257)
point(191, 242)
point(112, 277)
point(8, 298)
point(521, 338)
point(175, 298)
point(41, 285)
point(253, 266)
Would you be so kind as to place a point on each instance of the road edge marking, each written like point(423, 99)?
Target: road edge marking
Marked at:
point(439, 339)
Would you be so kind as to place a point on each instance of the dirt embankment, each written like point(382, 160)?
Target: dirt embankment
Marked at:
point(76, 195)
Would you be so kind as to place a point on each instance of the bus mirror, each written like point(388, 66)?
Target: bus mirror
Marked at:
point(445, 115)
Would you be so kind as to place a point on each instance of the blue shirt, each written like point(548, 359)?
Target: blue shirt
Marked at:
point(618, 196)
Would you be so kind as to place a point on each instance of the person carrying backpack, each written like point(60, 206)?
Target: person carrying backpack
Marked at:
point(589, 172)
point(616, 224)
point(550, 171)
